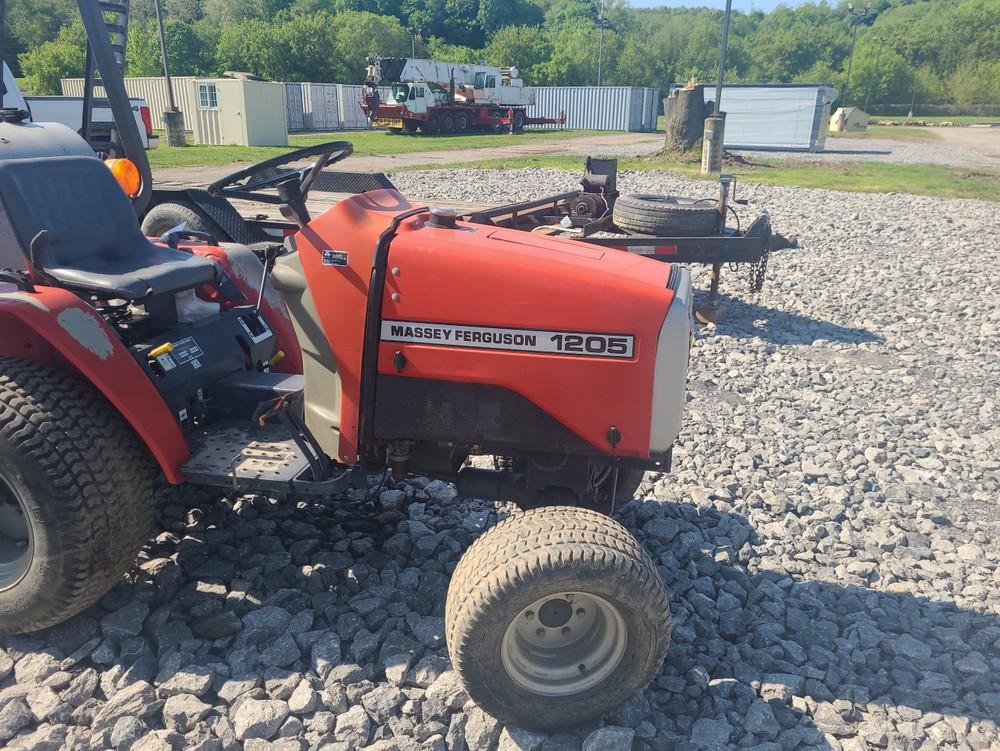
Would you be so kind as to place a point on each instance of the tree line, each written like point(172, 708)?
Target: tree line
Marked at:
point(936, 51)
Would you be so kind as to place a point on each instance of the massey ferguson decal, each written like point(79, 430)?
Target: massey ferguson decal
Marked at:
point(619, 346)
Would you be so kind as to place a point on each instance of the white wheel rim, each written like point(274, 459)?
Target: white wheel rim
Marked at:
point(564, 644)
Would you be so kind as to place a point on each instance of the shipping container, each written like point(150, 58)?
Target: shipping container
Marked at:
point(154, 90)
point(622, 108)
point(295, 106)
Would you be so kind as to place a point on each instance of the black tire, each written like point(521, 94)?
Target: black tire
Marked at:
point(69, 460)
point(431, 126)
point(461, 122)
point(539, 555)
point(410, 126)
point(518, 121)
point(666, 215)
point(394, 131)
point(165, 216)
point(447, 123)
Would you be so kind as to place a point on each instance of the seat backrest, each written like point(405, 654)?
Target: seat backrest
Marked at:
point(77, 200)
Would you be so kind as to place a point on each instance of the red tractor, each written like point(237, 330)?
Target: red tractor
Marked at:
point(378, 336)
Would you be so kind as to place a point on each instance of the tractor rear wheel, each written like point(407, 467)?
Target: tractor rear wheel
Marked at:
point(556, 616)
point(75, 496)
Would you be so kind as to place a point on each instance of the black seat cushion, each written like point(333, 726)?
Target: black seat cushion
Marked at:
point(93, 240)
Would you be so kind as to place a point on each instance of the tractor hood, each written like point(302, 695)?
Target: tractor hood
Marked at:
point(569, 328)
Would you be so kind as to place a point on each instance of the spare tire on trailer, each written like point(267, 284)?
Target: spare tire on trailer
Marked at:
point(666, 215)
point(164, 217)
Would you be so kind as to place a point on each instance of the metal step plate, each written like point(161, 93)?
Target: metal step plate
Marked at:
point(240, 454)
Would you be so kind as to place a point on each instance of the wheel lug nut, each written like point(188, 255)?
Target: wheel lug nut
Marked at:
point(565, 630)
point(540, 632)
point(582, 668)
point(581, 612)
point(529, 614)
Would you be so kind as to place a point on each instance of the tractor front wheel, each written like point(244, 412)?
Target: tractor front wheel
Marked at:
point(556, 616)
point(75, 496)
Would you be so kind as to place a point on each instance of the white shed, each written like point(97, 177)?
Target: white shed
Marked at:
point(785, 117)
point(235, 112)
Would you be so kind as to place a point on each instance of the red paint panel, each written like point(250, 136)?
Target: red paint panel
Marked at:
point(76, 337)
point(341, 294)
point(496, 277)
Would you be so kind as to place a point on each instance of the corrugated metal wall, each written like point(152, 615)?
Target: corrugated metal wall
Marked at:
point(154, 90)
point(793, 117)
point(334, 106)
point(629, 108)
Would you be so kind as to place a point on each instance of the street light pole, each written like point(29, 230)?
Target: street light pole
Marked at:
point(878, 57)
point(856, 20)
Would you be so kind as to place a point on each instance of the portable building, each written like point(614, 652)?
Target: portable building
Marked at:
point(234, 112)
point(781, 117)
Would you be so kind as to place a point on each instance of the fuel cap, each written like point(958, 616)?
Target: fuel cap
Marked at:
point(441, 217)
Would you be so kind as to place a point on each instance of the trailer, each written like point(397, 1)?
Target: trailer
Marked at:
point(431, 96)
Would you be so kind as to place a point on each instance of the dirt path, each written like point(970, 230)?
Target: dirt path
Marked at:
point(390, 162)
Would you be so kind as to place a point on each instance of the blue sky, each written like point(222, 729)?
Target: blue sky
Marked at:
point(720, 4)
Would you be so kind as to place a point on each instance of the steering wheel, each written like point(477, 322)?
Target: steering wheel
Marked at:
point(247, 183)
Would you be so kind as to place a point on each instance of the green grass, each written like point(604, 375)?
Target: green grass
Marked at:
point(366, 143)
point(865, 177)
point(898, 132)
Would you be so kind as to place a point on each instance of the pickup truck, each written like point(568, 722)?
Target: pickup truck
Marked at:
point(68, 110)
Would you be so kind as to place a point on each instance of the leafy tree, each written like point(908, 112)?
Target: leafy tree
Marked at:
point(356, 35)
point(526, 47)
point(62, 57)
point(142, 50)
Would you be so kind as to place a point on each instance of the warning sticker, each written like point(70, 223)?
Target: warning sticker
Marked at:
point(187, 350)
point(621, 346)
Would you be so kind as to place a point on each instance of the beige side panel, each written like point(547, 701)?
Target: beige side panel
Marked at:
point(319, 366)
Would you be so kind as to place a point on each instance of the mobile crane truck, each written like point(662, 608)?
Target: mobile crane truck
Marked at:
point(432, 96)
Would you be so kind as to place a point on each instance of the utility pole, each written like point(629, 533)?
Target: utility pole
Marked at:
point(712, 141)
point(414, 33)
point(602, 22)
point(173, 120)
point(878, 57)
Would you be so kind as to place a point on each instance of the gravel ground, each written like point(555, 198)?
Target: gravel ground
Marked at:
point(887, 150)
point(956, 148)
point(829, 538)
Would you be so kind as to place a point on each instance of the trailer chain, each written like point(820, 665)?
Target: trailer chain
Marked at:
point(757, 271)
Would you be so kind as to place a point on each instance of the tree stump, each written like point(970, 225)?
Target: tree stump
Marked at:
point(684, 111)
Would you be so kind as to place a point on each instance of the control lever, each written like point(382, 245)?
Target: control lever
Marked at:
point(270, 253)
point(293, 202)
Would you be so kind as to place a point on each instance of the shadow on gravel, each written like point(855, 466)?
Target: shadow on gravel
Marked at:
point(744, 319)
point(795, 661)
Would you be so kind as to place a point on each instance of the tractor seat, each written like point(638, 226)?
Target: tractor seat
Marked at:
point(85, 233)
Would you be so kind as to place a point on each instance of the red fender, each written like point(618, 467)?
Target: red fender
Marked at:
point(54, 326)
